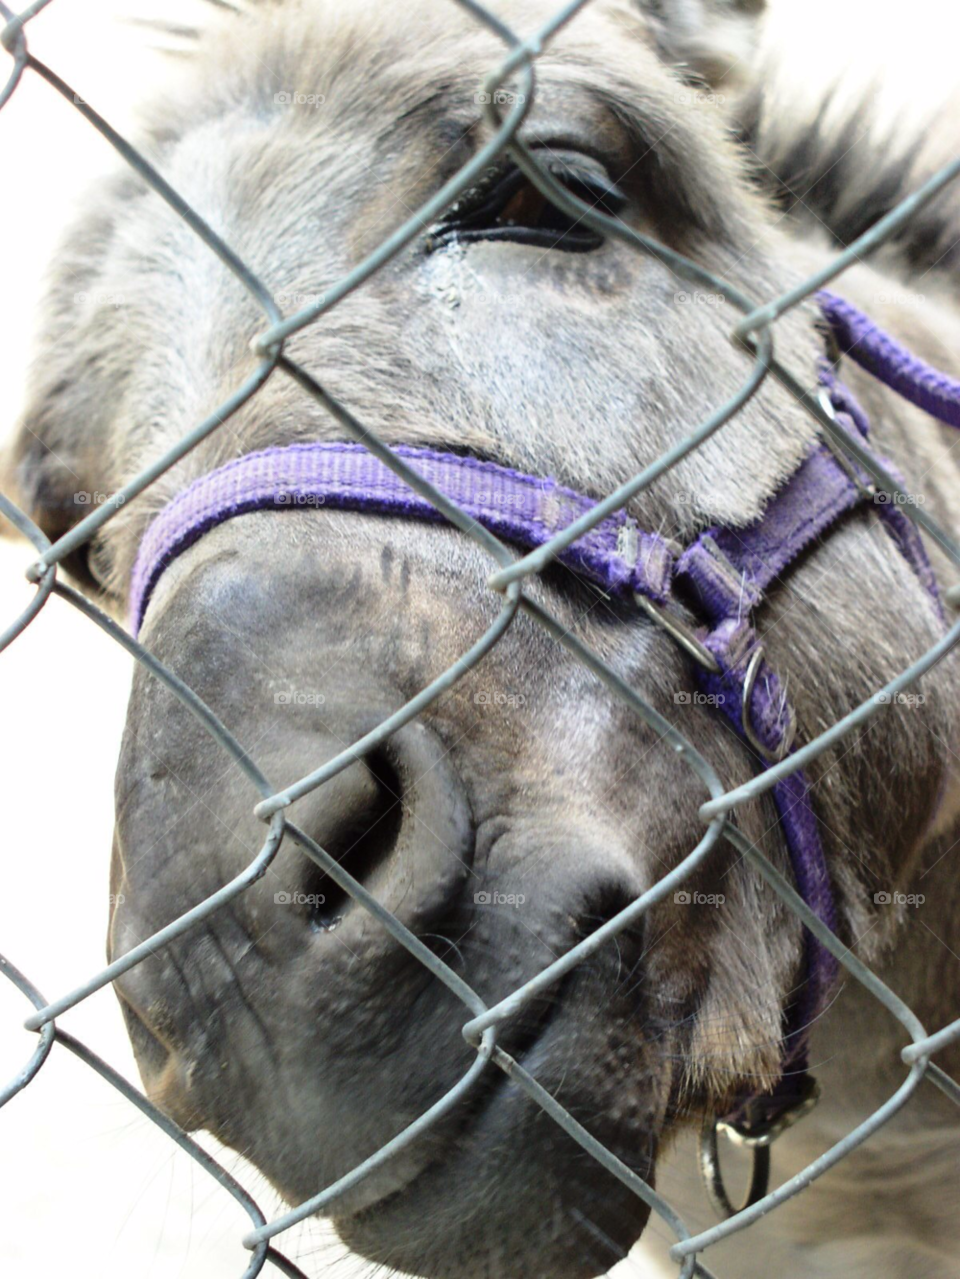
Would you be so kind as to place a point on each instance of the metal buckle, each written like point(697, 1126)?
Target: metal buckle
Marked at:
point(773, 757)
point(832, 344)
point(682, 633)
point(757, 1139)
point(865, 489)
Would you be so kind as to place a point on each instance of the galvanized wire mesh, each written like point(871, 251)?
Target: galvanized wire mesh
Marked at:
point(755, 335)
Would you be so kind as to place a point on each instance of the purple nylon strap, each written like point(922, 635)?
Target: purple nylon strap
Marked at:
point(883, 356)
point(899, 525)
point(518, 508)
point(727, 571)
point(723, 576)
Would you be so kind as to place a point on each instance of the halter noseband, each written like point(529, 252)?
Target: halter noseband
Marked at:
point(722, 577)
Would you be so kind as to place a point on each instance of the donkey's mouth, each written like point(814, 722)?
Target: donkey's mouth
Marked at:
point(427, 1159)
point(502, 1169)
point(572, 1221)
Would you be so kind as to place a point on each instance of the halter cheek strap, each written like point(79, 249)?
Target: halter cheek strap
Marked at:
point(722, 576)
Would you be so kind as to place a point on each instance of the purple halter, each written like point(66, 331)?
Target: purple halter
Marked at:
point(723, 575)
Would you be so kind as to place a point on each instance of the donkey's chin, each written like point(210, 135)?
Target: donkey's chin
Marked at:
point(513, 1195)
point(498, 1212)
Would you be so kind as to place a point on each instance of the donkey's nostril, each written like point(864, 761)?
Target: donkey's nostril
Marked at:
point(356, 818)
point(397, 822)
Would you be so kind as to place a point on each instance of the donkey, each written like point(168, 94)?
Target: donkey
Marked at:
point(527, 805)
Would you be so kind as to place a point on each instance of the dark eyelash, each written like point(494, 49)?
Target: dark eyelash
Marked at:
point(505, 205)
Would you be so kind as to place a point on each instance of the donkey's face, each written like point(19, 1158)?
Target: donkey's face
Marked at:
point(526, 806)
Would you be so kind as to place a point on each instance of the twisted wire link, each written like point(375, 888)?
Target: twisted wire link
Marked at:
point(753, 336)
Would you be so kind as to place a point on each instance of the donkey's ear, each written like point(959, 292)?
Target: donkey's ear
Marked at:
point(50, 477)
point(57, 478)
point(57, 465)
point(711, 40)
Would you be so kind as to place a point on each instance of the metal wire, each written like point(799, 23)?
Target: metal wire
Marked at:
point(754, 336)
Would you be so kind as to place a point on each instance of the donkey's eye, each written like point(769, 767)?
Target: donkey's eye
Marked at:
point(507, 206)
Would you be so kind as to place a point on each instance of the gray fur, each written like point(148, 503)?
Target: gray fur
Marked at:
point(307, 1049)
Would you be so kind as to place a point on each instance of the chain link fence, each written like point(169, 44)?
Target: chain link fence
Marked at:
point(754, 334)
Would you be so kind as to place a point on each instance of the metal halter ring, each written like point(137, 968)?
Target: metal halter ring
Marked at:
point(774, 757)
point(682, 633)
point(757, 1137)
point(713, 1177)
